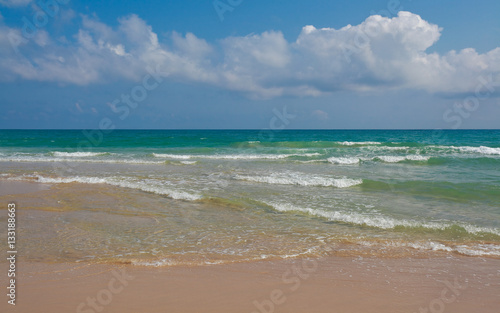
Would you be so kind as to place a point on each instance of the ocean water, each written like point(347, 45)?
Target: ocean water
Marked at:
point(163, 197)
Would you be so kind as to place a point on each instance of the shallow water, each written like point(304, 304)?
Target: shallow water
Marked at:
point(167, 197)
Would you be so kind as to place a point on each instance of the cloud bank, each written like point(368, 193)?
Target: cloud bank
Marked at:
point(379, 54)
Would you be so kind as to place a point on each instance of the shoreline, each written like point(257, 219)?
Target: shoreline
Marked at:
point(67, 216)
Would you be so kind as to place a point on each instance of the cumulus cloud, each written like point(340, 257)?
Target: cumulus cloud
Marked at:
point(380, 53)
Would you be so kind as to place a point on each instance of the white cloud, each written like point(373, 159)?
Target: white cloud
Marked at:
point(192, 46)
point(269, 50)
point(380, 53)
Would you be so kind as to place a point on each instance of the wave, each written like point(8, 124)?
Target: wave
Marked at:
point(343, 160)
point(78, 154)
point(459, 150)
point(188, 162)
point(172, 156)
point(148, 186)
point(377, 221)
point(464, 249)
point(83, 157)
point(306, 144)
point(234, 156)
point(438, 149)
point(397, 159)
point(359, 143)
point(367, 147)
point(480, 150)
point(70, 160)
point(301, 180)
point(383, 158)
point(342, 153)
point(476, 250)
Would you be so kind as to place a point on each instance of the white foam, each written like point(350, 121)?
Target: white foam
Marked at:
point(172, 156)
point(480, 150)
point(336, 216)
point(78, 154)
point(474, 250)
point(429, 245)
point(75, 160)
point(341, 160)
point(188, 162)
point(301, 180)
point(148, 186)
point(377, 221)
point(479, 250)
point(390, 159)
point(352, 143)
point(394, 148)
point(397, 159)
point(233, 156)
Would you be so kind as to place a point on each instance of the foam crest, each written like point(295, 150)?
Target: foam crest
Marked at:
point(75, 160)
point(148, 186)
point(173, 156)
point(479, 250)
point(336, 216)
point(233, 156)
point(188, 162)
point(78, 154)
point(344, 160)
point(376, 221)
point(360, 143)
point(481, 150)
point(469, 250)
point(301, 180)
point(397, 159)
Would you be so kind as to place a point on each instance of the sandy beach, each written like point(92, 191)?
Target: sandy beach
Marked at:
point(440, 284)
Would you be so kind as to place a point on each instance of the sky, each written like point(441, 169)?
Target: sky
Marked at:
point(241, 64)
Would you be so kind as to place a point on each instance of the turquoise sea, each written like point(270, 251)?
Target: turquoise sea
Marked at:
point(225, 195)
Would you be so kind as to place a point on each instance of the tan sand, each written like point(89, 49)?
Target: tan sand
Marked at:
point(334, 284)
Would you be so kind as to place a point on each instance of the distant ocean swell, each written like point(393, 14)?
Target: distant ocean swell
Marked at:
point(353, 153)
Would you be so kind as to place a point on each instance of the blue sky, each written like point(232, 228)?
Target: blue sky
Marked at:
point(235, 63)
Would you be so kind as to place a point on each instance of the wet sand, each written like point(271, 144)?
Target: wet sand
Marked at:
point(334, 284)
point(20, 187)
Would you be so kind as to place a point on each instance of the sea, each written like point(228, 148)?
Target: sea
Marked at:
point(192, 197)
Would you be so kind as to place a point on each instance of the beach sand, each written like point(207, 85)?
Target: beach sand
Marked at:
point(443, 282)
point(336, 284)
